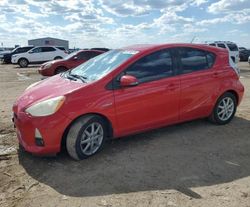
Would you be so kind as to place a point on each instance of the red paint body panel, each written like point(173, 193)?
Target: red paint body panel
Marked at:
point(130, 110)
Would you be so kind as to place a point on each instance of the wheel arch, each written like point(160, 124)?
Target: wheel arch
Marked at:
point(23, 58)
point(234, 93)
point(105, 118)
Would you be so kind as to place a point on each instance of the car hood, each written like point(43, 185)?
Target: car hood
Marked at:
point(46, 89)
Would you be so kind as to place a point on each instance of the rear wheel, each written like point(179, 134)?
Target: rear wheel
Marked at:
point(224, 109)
point(86, 137)
point(23, 63)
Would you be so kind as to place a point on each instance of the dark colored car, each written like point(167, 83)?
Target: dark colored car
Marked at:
point(71, 61)
point(244, 54)
point(7, 57)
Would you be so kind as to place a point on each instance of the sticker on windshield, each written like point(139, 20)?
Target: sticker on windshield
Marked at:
point(130, 52)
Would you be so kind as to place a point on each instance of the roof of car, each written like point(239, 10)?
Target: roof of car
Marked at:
point(148, 47)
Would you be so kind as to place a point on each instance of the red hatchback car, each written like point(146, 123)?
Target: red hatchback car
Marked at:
point(126, 91)
point(71, 61)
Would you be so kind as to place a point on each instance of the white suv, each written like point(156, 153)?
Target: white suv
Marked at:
point(38, 55)
point(230, 46)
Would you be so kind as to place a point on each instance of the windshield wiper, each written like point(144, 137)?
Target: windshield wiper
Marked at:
point(75, 76)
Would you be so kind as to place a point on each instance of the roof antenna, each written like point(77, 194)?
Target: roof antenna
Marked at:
point(193, 39)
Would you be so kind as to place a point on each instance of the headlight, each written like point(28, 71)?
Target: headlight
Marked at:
point(47, 107)
point(46, 66)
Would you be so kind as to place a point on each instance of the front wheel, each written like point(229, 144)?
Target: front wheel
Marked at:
point(86, 137)
point(224, 109)
point(23, 63)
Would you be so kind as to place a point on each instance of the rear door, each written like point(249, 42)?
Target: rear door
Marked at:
point(48, 53)
point(198, 82)
point(155, 100)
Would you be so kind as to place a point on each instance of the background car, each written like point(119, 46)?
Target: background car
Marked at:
point(74, 59)
point(244, 54)
point(7, 57)
point(230, 46)
point(126, 91)
point(38, 55)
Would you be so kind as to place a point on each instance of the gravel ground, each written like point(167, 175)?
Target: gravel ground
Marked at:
point(189, 164)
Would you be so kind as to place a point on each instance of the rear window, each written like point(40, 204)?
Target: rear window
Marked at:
point(232, 47)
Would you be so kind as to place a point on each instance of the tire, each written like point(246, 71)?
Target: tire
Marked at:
point(60, 70)
point(84, 129)
point(57, 58)
point(23, 63)
point(221, 114)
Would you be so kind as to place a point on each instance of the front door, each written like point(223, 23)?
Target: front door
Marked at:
point(155, 100)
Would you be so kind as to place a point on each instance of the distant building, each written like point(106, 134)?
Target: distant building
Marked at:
point(49, 41)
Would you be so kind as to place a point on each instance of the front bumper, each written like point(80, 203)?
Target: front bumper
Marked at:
point(51, 128)
point(14, 60)
point(46, 71)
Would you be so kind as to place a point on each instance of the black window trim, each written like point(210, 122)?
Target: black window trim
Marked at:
point(114, 83)
point(179, 67)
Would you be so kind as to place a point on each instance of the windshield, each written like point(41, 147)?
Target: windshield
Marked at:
point(70, 55)
point(98, 67)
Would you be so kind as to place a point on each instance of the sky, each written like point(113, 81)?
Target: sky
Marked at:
point(118, 23)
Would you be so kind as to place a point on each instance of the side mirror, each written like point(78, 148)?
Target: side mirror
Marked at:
point(128, 81)
point(31, 52)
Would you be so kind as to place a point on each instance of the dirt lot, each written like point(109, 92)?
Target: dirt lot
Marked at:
point(190, 164)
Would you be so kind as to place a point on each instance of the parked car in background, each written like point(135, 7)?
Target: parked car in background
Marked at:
point(244, 54)
point(126, 91)
point(230, 46)
point(249, 60)
point(38, 55)
point(2, 53)
point(71, 61)
point(7, 57)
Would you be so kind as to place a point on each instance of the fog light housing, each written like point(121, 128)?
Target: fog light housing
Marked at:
point(38, 138)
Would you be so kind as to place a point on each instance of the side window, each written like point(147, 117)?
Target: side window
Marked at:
point(193, 60)
point(92, 54)
point(212, 44)
point(48, 49)
point(37, 50)
point(210, 59)
point(82, 56)
point(152, 67)
point(221, 45)
point(232, 47)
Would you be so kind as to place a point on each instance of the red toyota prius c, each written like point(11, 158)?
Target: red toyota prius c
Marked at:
point(126, 91)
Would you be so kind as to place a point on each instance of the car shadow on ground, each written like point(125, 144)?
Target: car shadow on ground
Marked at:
point(178, 157)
